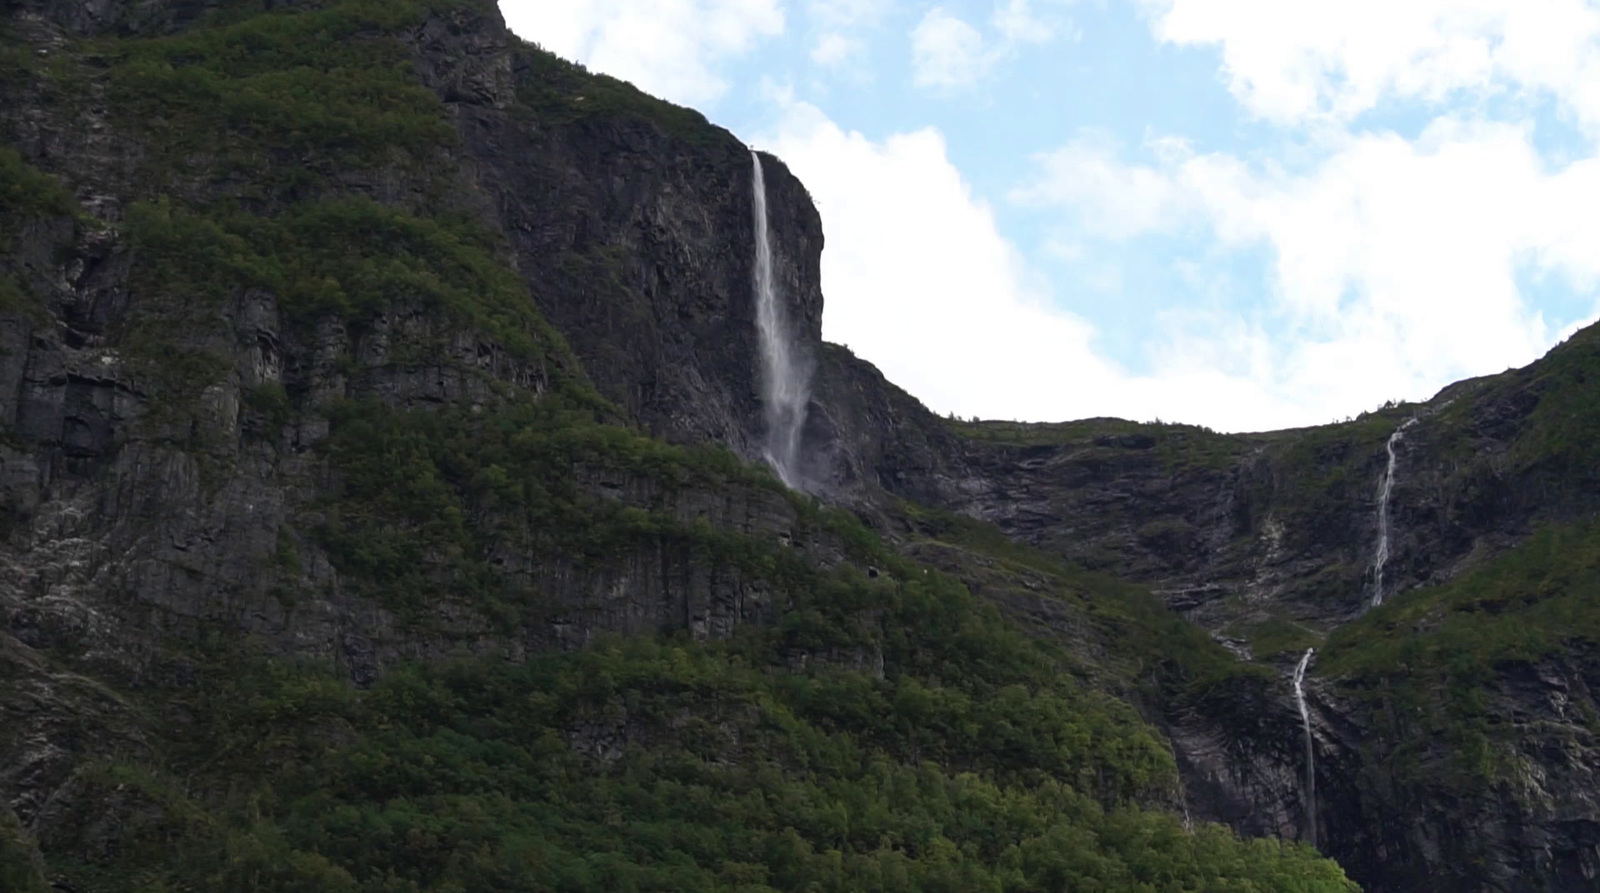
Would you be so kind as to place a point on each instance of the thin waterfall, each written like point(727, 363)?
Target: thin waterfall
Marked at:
point(1381, 557)
point(785, 381)
point(1305, 721)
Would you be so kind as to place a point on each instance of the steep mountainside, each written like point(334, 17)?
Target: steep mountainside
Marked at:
point(375, 392)
point(1455, 734)
point(380, 510)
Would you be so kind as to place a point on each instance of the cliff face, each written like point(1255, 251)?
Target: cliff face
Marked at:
point(458, 357)
point(1445, 759)
point(196, 436)
point(180, 505)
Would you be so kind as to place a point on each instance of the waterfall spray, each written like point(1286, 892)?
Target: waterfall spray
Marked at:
point(1305, 721)
point(785, 381)
point(1381, 557)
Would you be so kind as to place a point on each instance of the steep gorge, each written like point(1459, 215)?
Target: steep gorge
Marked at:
point(365, 335)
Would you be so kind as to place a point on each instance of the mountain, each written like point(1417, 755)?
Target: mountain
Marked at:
point(381, 508)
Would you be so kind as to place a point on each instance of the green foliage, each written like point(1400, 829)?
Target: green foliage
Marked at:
point(1530, 602)
point(1429, 663)
point(284, 96)
point(16, 61)
point(558, 91)
point(348, 259)
point(651, 766)
point(342, 258)
point(15, 299)
point(1145, 642)
point(1561, 438)
point(351, 257)
point(20, 866)
point(884, 732)
point(270, 400)
point(424, 497)
point(1275, 636)
point(186, 268)
point(1180, 447)
point(26, 192)
point(287, 554)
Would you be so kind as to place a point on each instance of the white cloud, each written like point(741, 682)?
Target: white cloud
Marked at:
point(1395, 271)
point(667, 47)
point(1395, 263)
point(919, 281)
point(1114, 199)
point(1294, 61)
point(846, 13)
point(947, 52)
point(1017, 22)
point(835, 50)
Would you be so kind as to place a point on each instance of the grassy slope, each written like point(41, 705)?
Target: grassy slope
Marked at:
point(1436, 670)
point(979, 759)
point(1429, 664)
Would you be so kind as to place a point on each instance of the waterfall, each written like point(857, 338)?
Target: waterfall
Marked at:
point(1305, 720)
point(785, 381)
point(1381, 557)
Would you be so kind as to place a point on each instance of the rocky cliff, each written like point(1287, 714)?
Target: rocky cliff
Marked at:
point(365, 337)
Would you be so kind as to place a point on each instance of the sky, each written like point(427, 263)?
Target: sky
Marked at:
point(1243, 214)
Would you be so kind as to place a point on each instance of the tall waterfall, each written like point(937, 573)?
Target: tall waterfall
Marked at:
point(785, 380)
point(1305, 720)
point(1381, 557)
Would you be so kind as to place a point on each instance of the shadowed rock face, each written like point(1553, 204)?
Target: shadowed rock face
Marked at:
point(128, 520)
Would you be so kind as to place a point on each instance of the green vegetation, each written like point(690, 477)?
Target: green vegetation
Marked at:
point(270, 400)
point(651, 766)
point(13, 299)
point(1430, 663)
point(425, 496)
point(1531, 602)
point(250, 124)
point(878, 729)
point(286, 98)
point(1146, 645)
point(562, 92)
point(26, 192)
point(1275, 636)
point(16, 62)
point(1320, 472)
point(345, 259)
point(1179, 446)
point(1562, 436)
point(20, 866)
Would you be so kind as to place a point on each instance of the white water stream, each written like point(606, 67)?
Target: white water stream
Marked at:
point(785, 381)
point(1305, 721)
point(1381, 557)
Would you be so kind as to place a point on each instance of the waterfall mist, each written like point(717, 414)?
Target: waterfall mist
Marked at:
point(785, 380)
point(1381, 556)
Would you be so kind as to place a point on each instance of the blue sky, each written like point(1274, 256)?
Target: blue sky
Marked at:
point(1245, 214)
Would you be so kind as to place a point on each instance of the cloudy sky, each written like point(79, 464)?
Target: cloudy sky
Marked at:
point(1245, 214)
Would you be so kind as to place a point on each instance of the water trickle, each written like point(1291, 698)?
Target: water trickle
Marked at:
point(1305, 721)
point(1381, 557)
point(785, 381)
